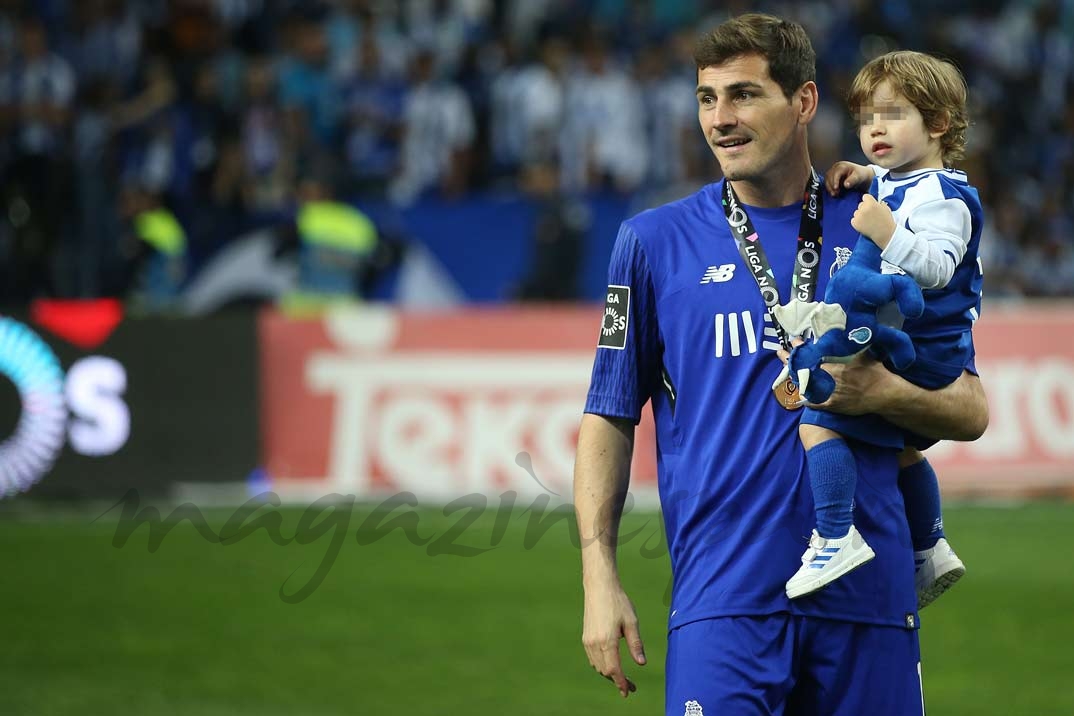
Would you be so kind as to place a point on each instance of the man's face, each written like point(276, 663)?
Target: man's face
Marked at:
point(749, 124)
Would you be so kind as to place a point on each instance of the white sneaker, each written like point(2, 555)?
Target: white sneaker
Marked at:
point(935, 571)
point(827, 560)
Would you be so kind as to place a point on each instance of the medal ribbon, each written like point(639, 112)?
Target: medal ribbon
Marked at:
point(807, 260)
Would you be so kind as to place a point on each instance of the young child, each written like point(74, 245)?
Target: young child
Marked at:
point(926, 219)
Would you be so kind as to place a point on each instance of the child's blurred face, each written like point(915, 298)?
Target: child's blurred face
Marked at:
point(893, 134)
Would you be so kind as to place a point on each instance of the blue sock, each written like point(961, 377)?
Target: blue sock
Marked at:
point(833, 474)
point(921, 493)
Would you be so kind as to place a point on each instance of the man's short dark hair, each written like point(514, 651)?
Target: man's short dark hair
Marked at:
point(791, 59)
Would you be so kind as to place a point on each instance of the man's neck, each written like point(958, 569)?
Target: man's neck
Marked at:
point(779, 188)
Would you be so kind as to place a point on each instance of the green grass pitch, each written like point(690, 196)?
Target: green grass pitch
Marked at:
point(200, 628)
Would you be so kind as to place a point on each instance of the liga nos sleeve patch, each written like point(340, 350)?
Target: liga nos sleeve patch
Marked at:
point(616, 321)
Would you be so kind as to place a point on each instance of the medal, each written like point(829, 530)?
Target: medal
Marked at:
point(786, 394)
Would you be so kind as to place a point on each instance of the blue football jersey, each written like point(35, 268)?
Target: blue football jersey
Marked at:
point(923, 202)
point(685, 327)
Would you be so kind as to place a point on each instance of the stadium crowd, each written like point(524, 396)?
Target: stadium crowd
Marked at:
point(213, 117)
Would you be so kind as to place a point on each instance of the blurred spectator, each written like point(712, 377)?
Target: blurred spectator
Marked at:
point(438, 132)
point(671, 112)
point(307, 89)
point(234, 14)
point(373, 123)
point(95, 253)
point(37, 93)
point(528, 107)
point(335, 243)
point(523, 19)
point(602, 141)
point(156, 247)
point(446, 27)
point(351, 24)
point(201, 124)
point(155, 93)
point(558, 237)
point(106, 43)
point(267, 155)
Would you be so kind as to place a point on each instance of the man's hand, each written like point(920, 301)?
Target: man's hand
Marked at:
point(874, 220)
point(609, 617)
point(860, 383)
point(958, 411)
point(860, 386)
point(847, 175)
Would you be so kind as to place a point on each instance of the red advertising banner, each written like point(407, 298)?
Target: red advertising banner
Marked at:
point(1025, 355)
point(370, 401)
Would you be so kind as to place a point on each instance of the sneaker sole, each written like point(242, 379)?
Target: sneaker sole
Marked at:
point(942, 583)
point(824, 580)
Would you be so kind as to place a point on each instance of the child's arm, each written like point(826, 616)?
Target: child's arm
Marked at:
point(932, 242)
point(848, 175)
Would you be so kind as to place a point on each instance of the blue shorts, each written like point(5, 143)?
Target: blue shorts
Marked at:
point(784, 665)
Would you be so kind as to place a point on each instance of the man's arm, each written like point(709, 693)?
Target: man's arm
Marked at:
point(601, 477)
point(958, 411)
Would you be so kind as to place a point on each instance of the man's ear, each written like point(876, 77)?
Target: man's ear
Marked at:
point(805, 100)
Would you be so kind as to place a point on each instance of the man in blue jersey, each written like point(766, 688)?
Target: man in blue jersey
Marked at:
point(687, 326)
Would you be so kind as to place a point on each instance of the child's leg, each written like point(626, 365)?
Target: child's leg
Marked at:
point(936, 566)
point(921, 494)
point(836, 547)
point(833, 475)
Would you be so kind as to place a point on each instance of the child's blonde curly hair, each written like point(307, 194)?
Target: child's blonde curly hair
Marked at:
point(934, 86)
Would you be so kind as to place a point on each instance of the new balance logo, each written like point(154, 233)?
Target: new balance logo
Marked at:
point(718, 274)
point(736, 333)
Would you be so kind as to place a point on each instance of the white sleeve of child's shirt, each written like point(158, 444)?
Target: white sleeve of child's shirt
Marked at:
point(931, 242)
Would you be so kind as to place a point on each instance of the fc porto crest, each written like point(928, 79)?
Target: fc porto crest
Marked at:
point(842, 255)
point(861, 335)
